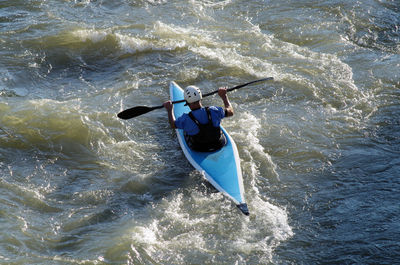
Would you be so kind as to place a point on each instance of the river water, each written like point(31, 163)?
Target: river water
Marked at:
point(319, 145)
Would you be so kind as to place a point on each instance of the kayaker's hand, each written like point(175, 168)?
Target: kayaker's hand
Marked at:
point(222, 92)
point(171, 117)
point(168, 105)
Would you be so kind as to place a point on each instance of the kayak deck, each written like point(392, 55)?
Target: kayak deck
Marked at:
point(222, 167)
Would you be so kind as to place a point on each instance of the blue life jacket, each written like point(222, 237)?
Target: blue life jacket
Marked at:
point(208, 139)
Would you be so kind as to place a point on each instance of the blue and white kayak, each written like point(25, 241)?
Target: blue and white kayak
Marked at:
point(222, 167)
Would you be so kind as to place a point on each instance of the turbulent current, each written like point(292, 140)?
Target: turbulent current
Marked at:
point(319, 145)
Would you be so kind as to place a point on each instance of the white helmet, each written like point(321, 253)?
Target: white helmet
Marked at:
point(192, 94)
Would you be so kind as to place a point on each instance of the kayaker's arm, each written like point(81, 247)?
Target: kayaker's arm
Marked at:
point(171, 117)
point(228, 107)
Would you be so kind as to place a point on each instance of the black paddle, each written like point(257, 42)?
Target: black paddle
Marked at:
point(137, 111)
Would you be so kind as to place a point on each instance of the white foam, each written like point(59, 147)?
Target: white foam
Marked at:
point(91, 34)
point(266, 229)
point(208, 44)
point(229, 57)
point(185, 36)
point(132, 44)
point(127, 43)
point(145, 235)
point(251, 147)
point(190, 224)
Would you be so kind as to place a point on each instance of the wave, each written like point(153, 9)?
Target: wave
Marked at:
point(88, 47)
point(111, 40)
point(311, 74)
point(45, 125)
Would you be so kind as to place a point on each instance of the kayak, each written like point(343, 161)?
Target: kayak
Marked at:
point(222, 167)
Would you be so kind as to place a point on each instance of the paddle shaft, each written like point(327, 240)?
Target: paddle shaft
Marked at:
point(137, 111)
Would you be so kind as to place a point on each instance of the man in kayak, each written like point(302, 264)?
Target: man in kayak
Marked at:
point(202, 124)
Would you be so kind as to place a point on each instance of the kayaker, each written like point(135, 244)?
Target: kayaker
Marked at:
point(202, 124)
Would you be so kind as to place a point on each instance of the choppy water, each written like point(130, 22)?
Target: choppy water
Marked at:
point(319, 146)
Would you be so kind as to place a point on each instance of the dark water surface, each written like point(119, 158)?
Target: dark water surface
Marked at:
point(319, 146)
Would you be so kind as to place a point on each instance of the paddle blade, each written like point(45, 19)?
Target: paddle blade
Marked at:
point(135, 111)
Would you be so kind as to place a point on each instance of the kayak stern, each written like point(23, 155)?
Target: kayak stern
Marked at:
point(243, 207)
